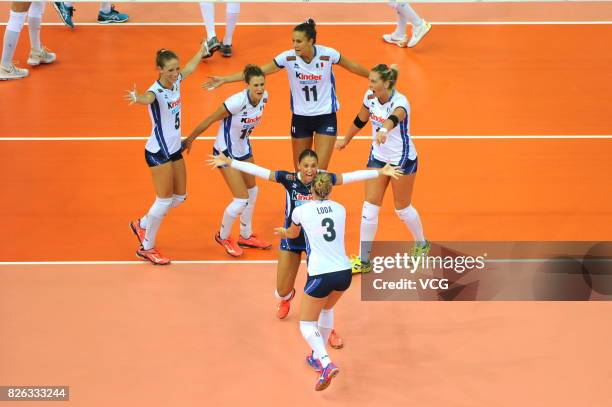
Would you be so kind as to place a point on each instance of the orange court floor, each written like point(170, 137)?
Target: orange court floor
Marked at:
point(512, 124)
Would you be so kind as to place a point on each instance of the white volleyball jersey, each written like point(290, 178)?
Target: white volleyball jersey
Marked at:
point(234, 132)
point(399, 147)
point(323, 224)
point(312, 85)
point(165, 114)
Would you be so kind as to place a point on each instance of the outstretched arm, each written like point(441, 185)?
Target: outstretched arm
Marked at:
point(250, 168)
point(291, 233)
point(219, 114)
point(353, 67)
point(194, 61)
point(359, 122)
point(216, 81)
point(132, 96)
point(362, 175)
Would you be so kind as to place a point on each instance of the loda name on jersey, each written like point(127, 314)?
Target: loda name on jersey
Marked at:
point(322, 210)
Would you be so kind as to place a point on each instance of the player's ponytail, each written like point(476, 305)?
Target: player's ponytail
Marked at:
point(163, 56)
point(309, 29)
point(322, 185)
point(388, 73)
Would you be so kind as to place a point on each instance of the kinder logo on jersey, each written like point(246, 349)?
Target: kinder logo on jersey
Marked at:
point(176, 103)
point(308, 76)
point(296, 196)
point(248, 120)
point(324, 58)
point(377, 119)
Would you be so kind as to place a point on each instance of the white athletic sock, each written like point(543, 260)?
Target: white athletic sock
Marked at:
point(11, 36)
point(312, 335)
point(246, 217)
point(409, 13)
point(230, 21)
point(402, 20)
point(105, 7)
point(326, 323)
point(411, 218)
point(156, 214)
point(232, 211)
point(367, 231)
point(286, 297)
point(68, 3)
point(208, 14)
point(178, 200)
point(143, 222)
point(34, 31)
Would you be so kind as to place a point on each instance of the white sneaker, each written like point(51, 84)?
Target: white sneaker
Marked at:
point(12, 72)
point(394, 39)
point(40, 56)
point(418, 33)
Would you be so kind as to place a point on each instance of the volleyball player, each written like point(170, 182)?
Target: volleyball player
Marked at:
point(405, 14)
point(241, 113)
point(232, 11)
point(314, 101)
point(33, 11)
point(322, 222)
point(389, 112)
point(297, 186)
point(163, 149)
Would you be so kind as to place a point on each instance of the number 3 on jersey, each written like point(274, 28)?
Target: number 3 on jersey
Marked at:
point(308, 90)
point(330, 234)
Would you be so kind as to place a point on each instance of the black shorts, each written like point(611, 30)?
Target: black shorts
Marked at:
point(409, 166)
point(297, 245)
point(306, 126)
point(322, 285)
point(227, 154)
point(159, 158)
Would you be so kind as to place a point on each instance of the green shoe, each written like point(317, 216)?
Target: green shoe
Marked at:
point(360, 267)
point(419, 250)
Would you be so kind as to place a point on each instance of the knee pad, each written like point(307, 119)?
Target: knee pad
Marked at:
point(16, 21)
point(161, 207)
point(369, 213)
point(252, 195)
point(326, 318)
point(233, 8)
point(178, 200)
point(37, 8)
point(407, 214)
point(237, 206)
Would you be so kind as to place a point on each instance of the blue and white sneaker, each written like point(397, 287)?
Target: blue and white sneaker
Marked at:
point(65, 13)
point(314, 363)
point(114, 16)
point(326, 377)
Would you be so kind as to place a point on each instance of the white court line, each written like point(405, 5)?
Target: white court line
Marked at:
point(238, 262)
point(130, 262)
point(278, 138)
point(335, 23)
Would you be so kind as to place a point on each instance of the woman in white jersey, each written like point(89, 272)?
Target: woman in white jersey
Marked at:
point(329, 271)
point(163, 149)
point(389, 112)
point(298, 191)
point(240, 113)
point(314, 101)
